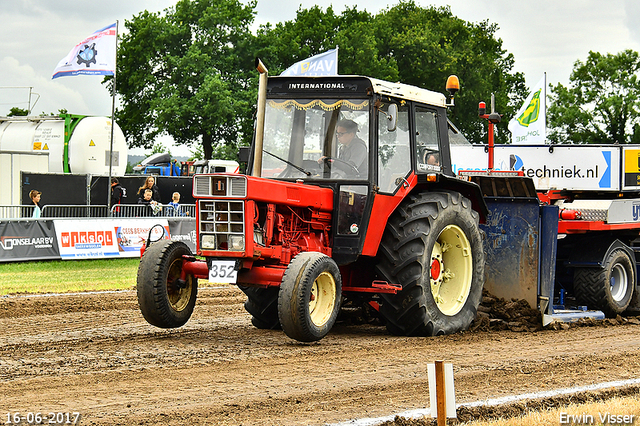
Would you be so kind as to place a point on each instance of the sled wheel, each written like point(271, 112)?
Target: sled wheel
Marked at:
point(164, 300)
point(262, 304)
point(609, 289)
point(309, 297)
point(433, 249)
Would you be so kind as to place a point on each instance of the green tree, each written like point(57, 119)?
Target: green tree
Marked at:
point(429, 44)
point(411, 44)
point(601, 104)
point(184, 72)
point(315, 31)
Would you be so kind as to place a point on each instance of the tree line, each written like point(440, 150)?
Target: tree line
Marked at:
point(188, 71)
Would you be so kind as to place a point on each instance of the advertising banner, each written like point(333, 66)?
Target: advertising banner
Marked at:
point(184, 230)
point(28, 240)
point(572, 167)
point(106, 238)
point(631, 167)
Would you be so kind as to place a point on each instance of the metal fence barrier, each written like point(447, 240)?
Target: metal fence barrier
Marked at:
point(74, 211)
point(141, 210)
point(119, 210)
point(16, 212)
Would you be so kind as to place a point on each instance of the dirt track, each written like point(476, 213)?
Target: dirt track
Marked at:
point(96, 355)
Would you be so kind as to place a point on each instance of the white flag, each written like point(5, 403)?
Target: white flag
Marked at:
point(528, 126)
point(95, 55)
point(323, 64)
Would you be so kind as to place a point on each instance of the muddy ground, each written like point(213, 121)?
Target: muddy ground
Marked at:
point(95, 354)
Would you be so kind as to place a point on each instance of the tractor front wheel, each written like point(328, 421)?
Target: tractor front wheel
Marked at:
point(309, 297)
point(164, 299)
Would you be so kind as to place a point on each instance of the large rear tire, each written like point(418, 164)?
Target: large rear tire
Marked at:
point(432, 247)
point(262, 304)
point(609, 289)
point(165, 301)
point(309, 297)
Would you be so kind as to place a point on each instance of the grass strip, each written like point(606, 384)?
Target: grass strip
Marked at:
point(60, 276)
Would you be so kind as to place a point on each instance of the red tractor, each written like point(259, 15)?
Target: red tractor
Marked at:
point(351, 199)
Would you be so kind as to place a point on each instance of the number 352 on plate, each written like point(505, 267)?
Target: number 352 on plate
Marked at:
point(223, 271)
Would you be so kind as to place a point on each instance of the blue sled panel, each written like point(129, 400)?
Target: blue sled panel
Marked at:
point(512, 247)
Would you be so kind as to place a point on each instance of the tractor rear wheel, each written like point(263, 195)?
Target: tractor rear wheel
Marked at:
point(309, 297)
point(609, 289)
point(432, 247)
point(262, 304)
point(165, 301)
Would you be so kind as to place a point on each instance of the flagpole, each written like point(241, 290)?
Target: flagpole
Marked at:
point(544, 99)
point(113, 123)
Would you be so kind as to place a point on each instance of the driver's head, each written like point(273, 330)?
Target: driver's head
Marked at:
point(346, 131)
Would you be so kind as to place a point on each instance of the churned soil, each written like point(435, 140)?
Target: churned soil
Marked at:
point(95, 354)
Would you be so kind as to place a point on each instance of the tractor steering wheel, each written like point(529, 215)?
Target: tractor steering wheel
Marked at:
point(348, 169)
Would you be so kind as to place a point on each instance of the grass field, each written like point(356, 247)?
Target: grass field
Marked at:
point(68, 276)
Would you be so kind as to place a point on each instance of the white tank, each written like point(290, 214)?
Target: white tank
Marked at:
point(88, 146)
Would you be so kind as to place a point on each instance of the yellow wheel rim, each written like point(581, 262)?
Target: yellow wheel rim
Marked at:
point(451, 270)
point(322, 299)
point(178, 297)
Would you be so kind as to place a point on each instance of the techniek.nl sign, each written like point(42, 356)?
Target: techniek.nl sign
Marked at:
point(564, 167)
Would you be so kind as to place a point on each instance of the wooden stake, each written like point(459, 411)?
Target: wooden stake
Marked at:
point(441, 395)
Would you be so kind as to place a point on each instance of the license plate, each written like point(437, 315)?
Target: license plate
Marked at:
point(223, 271)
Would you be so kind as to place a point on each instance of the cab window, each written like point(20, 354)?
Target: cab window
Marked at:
point(394, 153)
point(427, 141)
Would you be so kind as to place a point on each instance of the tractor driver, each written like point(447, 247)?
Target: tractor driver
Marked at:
point(352, 149)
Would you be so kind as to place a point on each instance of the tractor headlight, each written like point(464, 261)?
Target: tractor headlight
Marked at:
point(208, 242)
point(236, 242)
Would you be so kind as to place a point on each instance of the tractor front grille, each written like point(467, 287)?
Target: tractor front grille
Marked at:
point(220, 186)
point(222, 225)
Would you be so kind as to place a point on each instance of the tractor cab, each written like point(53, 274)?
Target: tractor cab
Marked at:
point(360, 136)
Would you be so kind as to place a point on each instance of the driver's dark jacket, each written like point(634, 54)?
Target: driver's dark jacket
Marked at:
point(355, 154)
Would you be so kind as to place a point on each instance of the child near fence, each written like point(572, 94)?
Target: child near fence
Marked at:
point(174, 206)
point(35, 198)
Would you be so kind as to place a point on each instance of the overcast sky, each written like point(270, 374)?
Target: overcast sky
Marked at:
point(544, 36)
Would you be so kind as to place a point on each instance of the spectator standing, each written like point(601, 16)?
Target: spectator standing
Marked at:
point(117, 194)
point(35, 198)
point(150, 183)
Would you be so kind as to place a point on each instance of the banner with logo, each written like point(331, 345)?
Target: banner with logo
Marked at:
point(95, 55)
point(185, 231)
point(106, 238)
point(528, 126)
point(571, 167)
point(323, 64)
point(28, 240)
point(75, 239)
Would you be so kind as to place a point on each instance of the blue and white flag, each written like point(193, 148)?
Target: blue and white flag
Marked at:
point(323, 64)
point(95, 55)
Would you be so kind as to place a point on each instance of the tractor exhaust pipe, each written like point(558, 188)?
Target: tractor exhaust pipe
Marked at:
point(262, 105)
